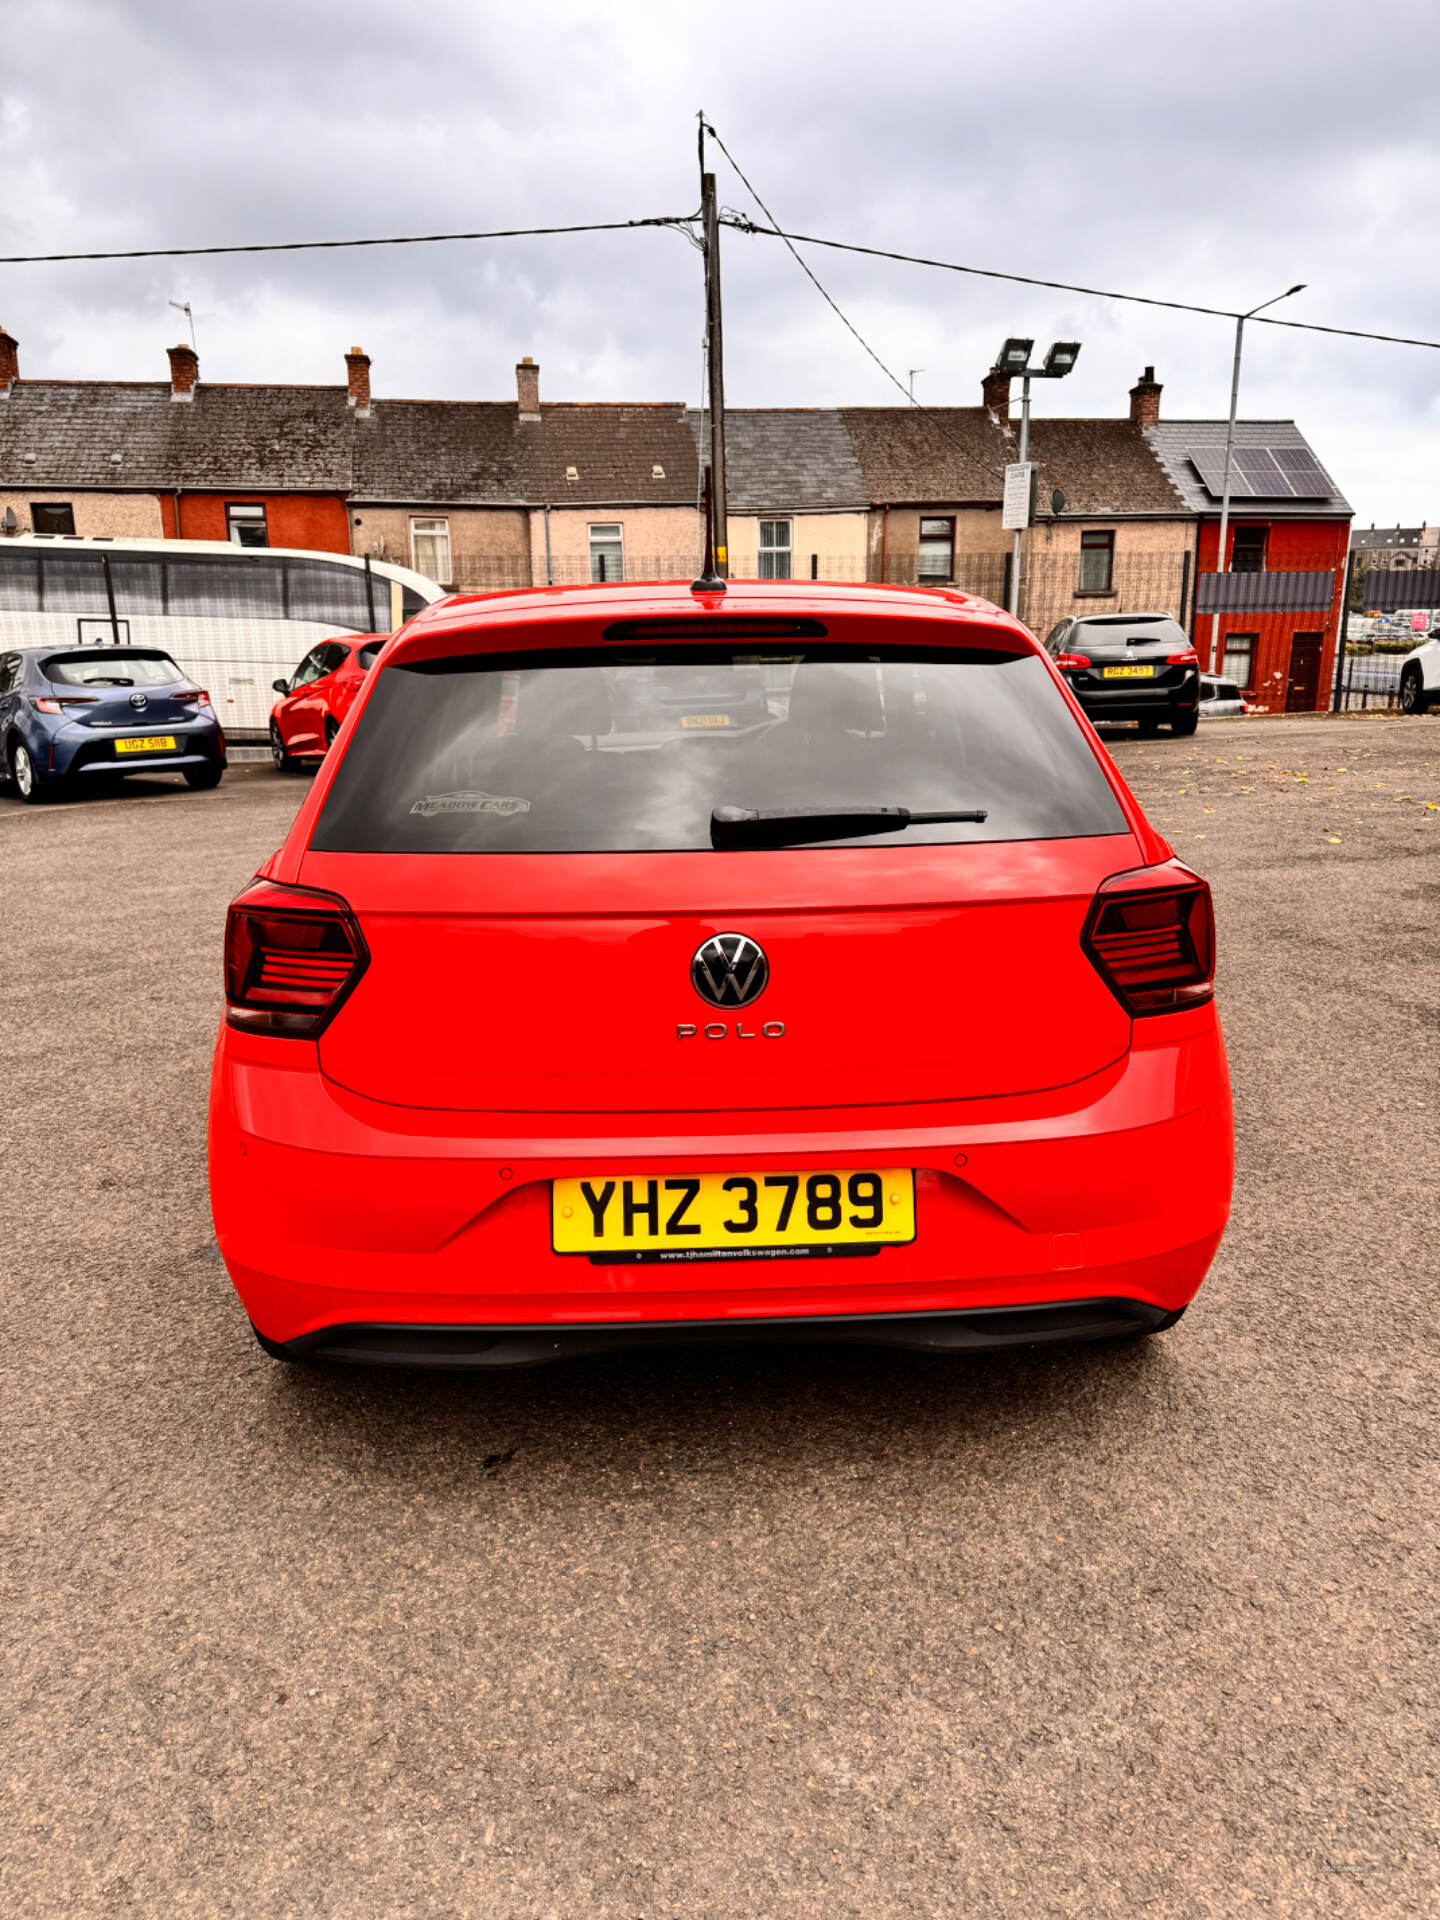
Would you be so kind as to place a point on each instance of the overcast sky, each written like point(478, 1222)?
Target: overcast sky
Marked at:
point(1214, 154)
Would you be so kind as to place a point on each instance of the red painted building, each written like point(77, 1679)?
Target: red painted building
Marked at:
point(316, 521)
point(1286, 548)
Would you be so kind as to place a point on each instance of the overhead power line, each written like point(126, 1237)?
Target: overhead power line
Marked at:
point(742, 224)
point(314, 246)
point(684, 223)
point(805, 268)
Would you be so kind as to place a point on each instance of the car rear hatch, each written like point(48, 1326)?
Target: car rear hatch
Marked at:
point(939, 963)
point(1130, 654)
point(137, 693)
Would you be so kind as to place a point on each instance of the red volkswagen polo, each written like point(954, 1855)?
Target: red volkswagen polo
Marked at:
point(652, 963)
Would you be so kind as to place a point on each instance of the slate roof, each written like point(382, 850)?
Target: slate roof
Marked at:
point(1371, 539)
point(438, 452)
point(614, 447)
point(1172, 440)
point(786, 460)
point(795, 460)
point(957, 456)
point(250, 438)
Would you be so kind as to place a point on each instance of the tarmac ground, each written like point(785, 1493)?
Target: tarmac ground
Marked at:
point(1132, 1630)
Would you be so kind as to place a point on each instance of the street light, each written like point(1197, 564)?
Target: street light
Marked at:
point(1014, 358)
point(1222, 565)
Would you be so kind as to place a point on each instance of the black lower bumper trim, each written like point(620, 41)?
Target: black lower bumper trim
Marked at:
point(968, 1330)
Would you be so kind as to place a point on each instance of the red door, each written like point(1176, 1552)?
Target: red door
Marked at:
point(1302, 687)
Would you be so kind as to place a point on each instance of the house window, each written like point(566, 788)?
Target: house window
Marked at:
point(937, 550)
point(245, 525)
point(607, 550)
point(775, 549)
point(430, 549)
point(52, 516)
point(1247, 550)
point(1239, 662)
point(1097, 561)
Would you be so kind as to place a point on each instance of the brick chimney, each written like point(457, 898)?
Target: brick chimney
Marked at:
point(9, 362)
point(527, 382)
point(184, 372)
point(995, 392)
point(357, 376)
point(1145, 400)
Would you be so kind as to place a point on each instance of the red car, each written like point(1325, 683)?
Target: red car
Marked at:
point(588, 1005)
point(318, 695)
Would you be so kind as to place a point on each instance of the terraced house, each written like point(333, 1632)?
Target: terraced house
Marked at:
point(484, 495)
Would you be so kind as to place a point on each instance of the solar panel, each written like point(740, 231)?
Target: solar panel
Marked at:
point(1258, 466)
point(1274, 473)
point(1210, 465)
point(1304, 472)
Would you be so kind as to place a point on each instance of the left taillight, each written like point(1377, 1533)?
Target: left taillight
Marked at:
point(292, 955)
point(1072, 660)
point(1150, 934)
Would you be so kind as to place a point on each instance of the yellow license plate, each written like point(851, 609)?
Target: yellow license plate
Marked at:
point(1127, 673)
point(702, 1216)
point(705, 720)
point(147, 743)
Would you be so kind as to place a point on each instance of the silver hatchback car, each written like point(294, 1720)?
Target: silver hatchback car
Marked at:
point(1220, 699)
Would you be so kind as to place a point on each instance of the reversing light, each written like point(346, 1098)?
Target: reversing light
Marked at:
point(292, 956)
point(1150, 935)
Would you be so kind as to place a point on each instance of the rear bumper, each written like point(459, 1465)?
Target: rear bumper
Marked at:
point(336, 1212)
point(975, 1330)
point(92, 754)
point(1136, 703)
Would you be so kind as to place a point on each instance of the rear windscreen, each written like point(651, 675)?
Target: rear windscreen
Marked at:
point(1145, 630)
point(102, 668)
point(564, 753)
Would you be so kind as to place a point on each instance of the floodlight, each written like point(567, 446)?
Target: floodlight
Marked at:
point(1061, 358)
point(1014, 356)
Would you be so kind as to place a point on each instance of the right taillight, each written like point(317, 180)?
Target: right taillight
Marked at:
point(292, 955)
point(1151, 936)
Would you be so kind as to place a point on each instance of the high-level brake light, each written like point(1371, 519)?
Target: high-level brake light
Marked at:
point(292, 955)
point(1150, 935)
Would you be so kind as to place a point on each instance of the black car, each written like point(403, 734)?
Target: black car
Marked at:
point(1130, 666)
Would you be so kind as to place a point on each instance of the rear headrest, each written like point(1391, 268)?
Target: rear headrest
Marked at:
point(559, 700)
point(836, 696)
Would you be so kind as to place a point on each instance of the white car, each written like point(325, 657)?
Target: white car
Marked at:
point(1420, 674)
point(1220, 699)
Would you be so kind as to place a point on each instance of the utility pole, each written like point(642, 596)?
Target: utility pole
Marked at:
point(715, 360)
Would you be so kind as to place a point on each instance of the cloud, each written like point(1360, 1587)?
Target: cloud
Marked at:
point(1214, 158)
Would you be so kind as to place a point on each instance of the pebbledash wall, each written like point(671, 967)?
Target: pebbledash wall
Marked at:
point(122, 516)
point(659, 543)
point(1298, 546)
point(489, 546)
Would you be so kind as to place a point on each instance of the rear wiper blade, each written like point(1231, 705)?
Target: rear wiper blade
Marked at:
point(794, 826)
